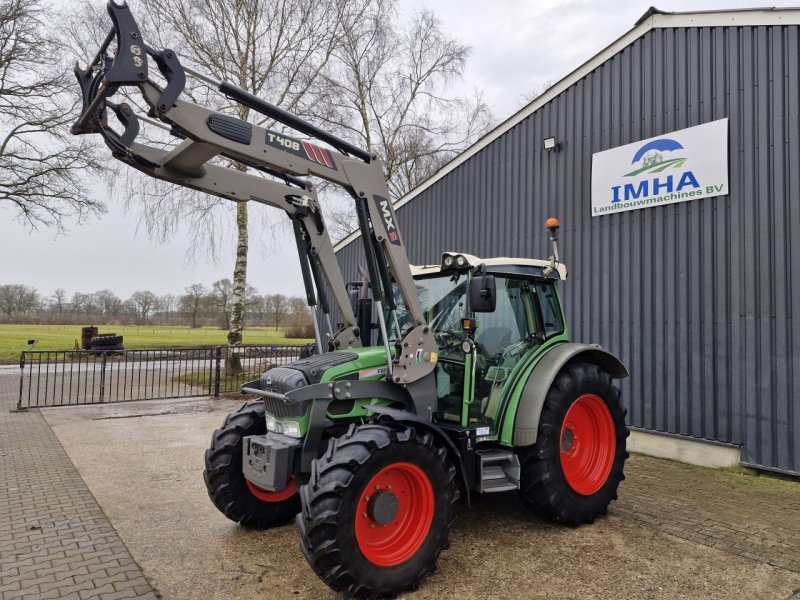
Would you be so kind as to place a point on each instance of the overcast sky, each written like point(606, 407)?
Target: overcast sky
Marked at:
point(517, 46)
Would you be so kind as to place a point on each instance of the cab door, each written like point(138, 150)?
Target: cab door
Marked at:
point(502, 338)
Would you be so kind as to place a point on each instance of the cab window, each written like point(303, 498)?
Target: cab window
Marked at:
point(553, 322)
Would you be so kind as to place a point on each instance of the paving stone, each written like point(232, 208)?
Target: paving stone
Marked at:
point(55, 541)
point(754, 517)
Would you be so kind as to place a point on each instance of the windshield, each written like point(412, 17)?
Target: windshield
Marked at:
point(442, 298)
point(471, 387)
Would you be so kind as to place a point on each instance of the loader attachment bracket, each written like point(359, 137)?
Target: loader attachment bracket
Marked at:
point(128, 66)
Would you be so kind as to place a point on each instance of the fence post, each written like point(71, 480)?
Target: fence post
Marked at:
point(218, 361)
point(103, 377)
point(21, 378)
point(210, 371)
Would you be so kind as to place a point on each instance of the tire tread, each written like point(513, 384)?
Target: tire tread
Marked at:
point(322, 501)
point(543, 488)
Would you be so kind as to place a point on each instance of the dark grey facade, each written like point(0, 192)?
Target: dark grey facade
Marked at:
point(699, 299)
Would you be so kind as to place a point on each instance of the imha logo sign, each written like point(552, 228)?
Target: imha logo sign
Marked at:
point(680, 166)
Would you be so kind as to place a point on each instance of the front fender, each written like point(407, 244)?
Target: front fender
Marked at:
point(531, 401)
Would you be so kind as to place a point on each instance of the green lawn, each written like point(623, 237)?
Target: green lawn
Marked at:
point(14, 338)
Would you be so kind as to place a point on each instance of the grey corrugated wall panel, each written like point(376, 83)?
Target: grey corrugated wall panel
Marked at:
point(697, 298)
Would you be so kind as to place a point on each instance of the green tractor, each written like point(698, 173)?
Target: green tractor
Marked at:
point(473, 386)
point(373, 480)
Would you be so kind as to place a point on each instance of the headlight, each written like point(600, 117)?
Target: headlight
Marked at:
point(290, 428)
point(461, 261)
point(448, 261)
point(272, 423)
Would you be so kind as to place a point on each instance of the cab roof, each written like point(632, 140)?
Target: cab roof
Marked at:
point(498, 262)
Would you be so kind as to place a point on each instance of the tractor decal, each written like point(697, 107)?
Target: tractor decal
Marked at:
point(300, 148)
point(387, 213)
point(652, 159)
point(318, 155)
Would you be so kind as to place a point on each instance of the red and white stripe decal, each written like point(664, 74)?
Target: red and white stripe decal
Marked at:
point(317, 154)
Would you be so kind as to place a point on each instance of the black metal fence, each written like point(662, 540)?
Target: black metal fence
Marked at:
point(72, 377)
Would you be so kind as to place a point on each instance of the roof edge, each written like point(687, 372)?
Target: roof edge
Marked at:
point(649, 13)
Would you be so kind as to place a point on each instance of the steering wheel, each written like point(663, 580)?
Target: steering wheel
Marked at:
point(447, 339)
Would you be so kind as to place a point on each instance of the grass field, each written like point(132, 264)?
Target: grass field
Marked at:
point(14, 338)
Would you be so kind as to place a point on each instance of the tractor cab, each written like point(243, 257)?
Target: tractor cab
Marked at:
point(487, 316)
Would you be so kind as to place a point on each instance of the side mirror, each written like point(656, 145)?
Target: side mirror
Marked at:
point(482, 293)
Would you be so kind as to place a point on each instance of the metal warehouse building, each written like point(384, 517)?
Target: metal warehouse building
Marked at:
point(696, 296)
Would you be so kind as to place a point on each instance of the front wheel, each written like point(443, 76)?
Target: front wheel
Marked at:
point(377, 510)
point(571, 474)
point(229, 490)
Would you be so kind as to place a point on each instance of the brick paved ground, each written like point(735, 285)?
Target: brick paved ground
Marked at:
point(754, 517)
point(55, 541)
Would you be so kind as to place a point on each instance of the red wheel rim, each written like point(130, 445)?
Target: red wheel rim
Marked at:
point(410, 494)
point(588, 443)
point(267, 496)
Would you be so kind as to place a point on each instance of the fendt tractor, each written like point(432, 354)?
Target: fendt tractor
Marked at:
point(439, 381)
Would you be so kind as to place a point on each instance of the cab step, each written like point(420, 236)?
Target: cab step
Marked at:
point(498, 471)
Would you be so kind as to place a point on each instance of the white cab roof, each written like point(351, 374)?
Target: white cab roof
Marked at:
point(499, 261)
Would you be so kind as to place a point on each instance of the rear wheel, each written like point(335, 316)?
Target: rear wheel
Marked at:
point(377, 510)
point(236, 497)
point(572, 472)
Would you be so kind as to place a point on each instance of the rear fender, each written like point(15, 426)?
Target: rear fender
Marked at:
point(403, 416)
point(531, 401)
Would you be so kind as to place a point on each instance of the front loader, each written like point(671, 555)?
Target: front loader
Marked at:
point(474, 387)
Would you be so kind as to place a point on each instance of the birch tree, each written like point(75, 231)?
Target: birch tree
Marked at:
point(43, 170)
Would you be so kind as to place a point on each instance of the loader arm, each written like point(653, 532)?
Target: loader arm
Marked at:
point(206, 134)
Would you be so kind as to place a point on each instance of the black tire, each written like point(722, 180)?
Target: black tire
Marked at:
point(225, 481)
point(108, 350)
point(544, 486)
point(105, 342)
point(331, 500)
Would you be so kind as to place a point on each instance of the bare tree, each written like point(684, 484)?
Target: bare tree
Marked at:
point(391, 87)
point(43, 170)
point(192, 301)
point(221, 293)
point(18, 299)
point(255, 305)
point(277, 308)
point(108, 302)
point(532, 94)
point(167, 305)
point(85, 303)
point(59, 300)
point(143, 302)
